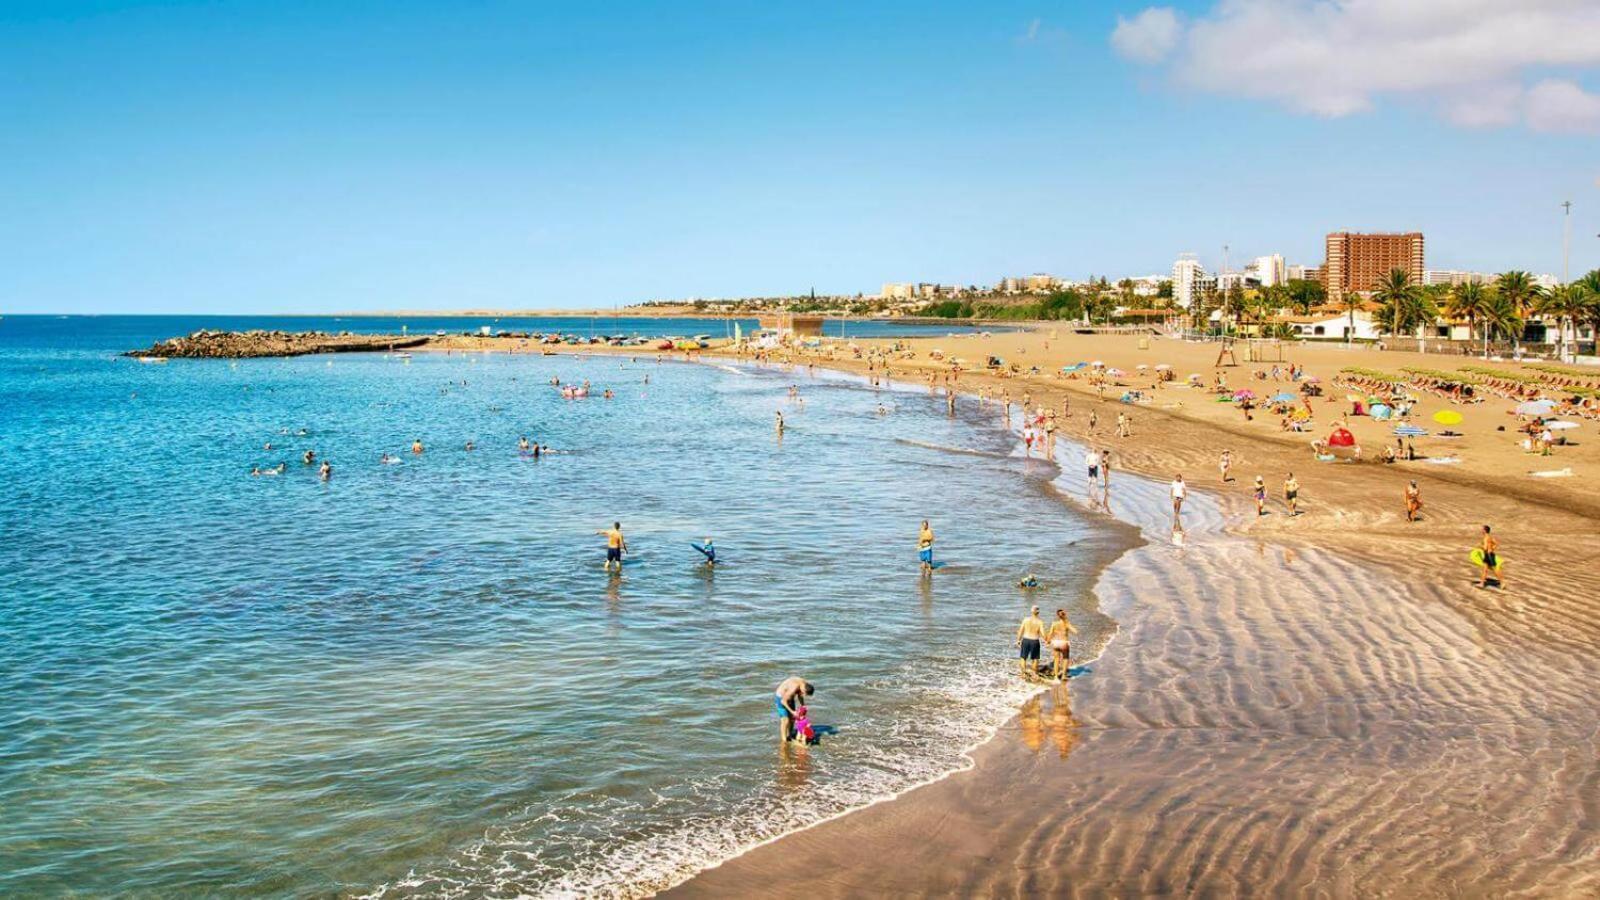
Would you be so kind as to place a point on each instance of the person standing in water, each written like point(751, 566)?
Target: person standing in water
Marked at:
point(787, 699)
point(779, 425)
point(1029, 635)
point(616, 544)
point(326, 472)
point(1060, 646)
point(1179, 490)
point(925, 548)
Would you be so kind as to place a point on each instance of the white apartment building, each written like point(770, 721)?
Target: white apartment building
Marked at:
point(1189, 280)
point(1267, 271)
point(1452, 277)
point(898, 291)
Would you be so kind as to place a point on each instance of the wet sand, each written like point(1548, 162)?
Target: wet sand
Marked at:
point(1322, 704)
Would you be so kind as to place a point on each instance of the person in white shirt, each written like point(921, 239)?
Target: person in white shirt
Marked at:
point(1179, 490)
point(1091, 461)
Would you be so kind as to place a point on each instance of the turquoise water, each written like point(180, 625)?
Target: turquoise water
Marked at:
point(415, 678)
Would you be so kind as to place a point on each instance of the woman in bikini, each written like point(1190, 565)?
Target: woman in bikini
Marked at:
point(1060, 648)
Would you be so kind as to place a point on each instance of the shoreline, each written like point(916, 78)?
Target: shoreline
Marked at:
point(840, 837)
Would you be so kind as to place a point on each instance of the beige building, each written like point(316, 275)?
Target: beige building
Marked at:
point(1356, 262)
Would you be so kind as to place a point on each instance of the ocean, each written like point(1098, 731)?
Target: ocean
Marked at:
point(414, 679)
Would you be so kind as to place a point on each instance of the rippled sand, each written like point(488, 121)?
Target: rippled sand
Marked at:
point(1273, 719)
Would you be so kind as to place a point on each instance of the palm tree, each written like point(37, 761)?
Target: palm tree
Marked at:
point(1500, 316)
point(1468, 301)
point(1518, 289)
point(1351, 301)
point(1564, 303)
point(1403, 298)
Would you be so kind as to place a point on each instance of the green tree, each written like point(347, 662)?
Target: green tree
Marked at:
point(1164, 289)
point(1403, 303)
point(1566, 303)
point(1517, 288)
point(1469, 301)
point(1500, 316)
point(1351, 301)
point(1304, 294)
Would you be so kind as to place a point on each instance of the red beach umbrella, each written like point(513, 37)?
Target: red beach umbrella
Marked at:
point(1341, 437)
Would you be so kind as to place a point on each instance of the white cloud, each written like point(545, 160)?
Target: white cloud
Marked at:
point(1556, 105)
point(1469, 58)
point(1149, 36)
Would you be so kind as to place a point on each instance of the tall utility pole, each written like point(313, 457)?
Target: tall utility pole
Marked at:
point(1566, 238)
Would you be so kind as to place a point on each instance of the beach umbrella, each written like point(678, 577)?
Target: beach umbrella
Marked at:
point(1341, 437)
point(1560, 425)
point(1379, 411)
point(1410, 431)
point(1447, 417)
point(1141, 367)
point(1097, 364)
point(1244, 395)
point(1536, 407)
point(1115, 372)
point(1312, 379)
point(1162, 367)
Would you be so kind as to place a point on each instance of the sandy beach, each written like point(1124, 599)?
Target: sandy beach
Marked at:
point(1325, 703)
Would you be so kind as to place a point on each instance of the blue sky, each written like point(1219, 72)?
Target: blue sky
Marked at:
point(275, 157)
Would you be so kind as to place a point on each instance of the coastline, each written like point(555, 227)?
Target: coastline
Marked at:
point(951, 829)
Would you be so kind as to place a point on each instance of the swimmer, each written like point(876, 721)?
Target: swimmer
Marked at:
point(1029, 582)
point(780, 422)
point(709, 551)
point(522, 443)
point(470, 446)
point(416, 446)
point(388, 460)
point(309, 457)
point(326, 472)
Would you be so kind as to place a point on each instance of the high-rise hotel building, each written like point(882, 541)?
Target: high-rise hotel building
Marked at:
point(1356, 262)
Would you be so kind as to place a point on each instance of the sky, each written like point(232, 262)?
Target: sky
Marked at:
point(238, 157)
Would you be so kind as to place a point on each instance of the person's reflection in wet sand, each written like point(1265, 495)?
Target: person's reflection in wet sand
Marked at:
point(794, 766)
point(1048, 717)
point(614, 593)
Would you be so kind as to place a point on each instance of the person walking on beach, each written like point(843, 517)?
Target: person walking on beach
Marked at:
point(1413, 501)
point(1060, 647)
point(1093, 418)
point(1122, 425)
point(1291, 494)
point(1091, 461)
point(925, 548)
point(1225, 464)
point(787, 699)
point(1490, 547)
point(1105, 469)
point(1260, 494)
point(1029, 635)
point(1179, 490)
point(616, 544)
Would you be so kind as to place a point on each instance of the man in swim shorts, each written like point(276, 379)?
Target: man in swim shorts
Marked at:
point(787, 700)
point(925, 547)
point(1029, 634)
point(1091, 461)
point(615, 545)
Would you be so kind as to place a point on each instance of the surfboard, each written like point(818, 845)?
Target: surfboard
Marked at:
point(1477, 558)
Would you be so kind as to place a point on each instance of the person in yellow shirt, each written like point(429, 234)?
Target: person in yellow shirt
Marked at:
point(615, 545)
point(925, 548)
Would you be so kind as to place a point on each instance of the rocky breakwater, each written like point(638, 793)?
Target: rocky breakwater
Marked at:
point(248, 344)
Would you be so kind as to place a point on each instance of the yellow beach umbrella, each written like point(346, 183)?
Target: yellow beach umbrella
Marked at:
point(1447, 417)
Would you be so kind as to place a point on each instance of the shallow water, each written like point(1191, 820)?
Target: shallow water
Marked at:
point(416, 679)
